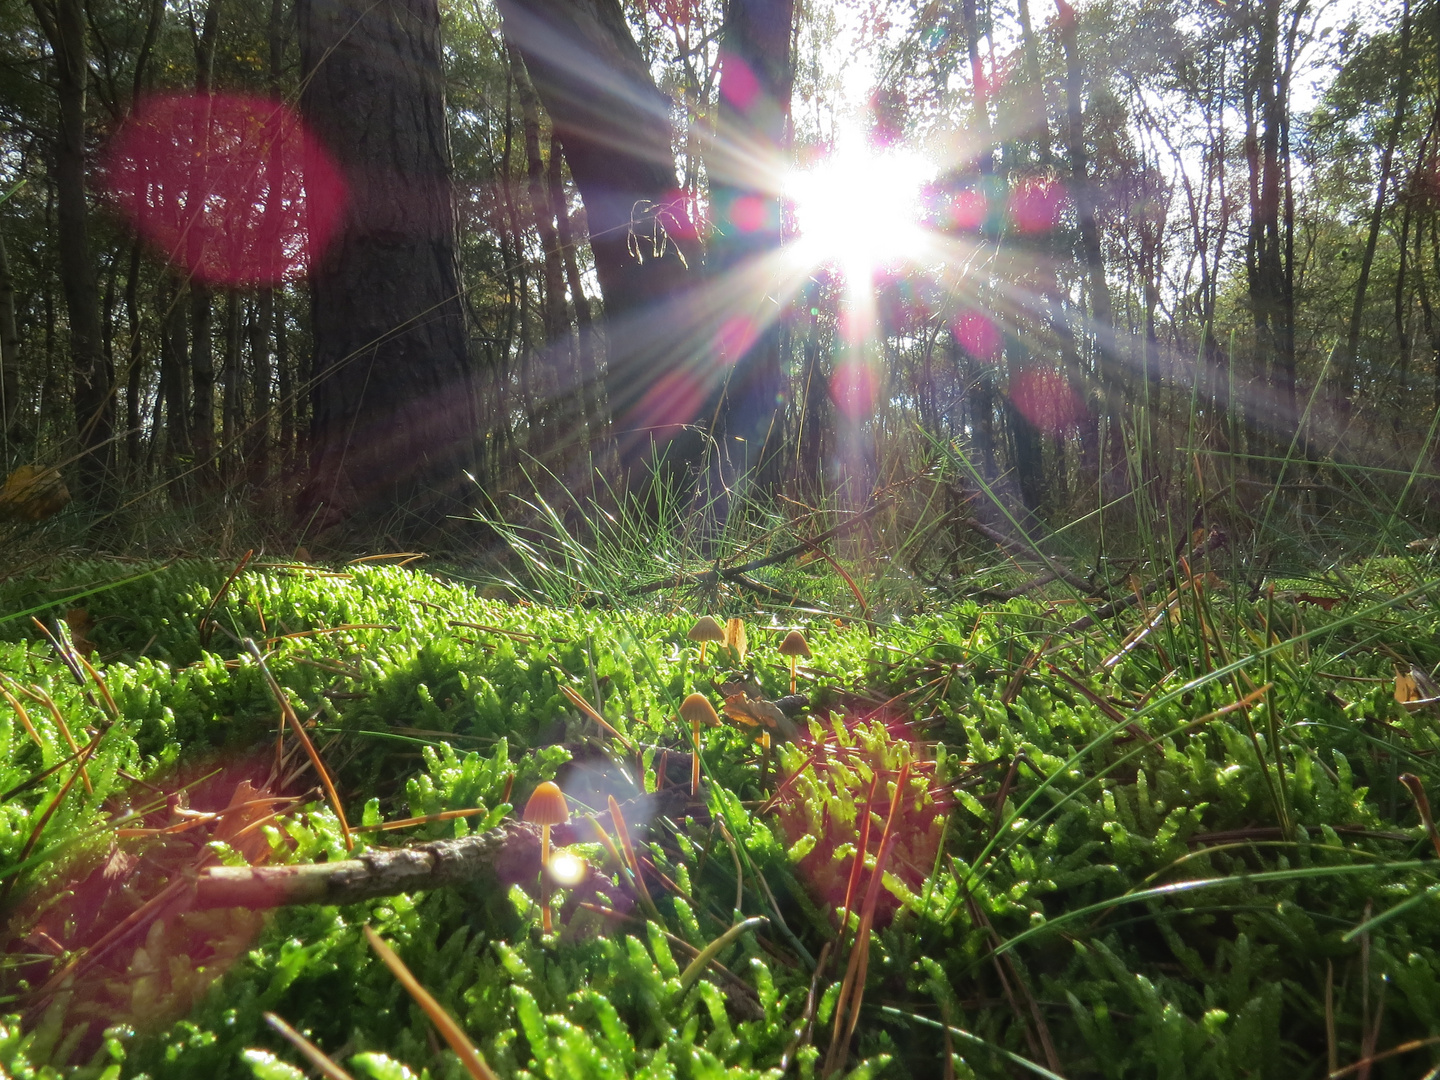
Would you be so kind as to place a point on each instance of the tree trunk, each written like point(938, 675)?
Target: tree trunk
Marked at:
point(756, 74)
point(173, 374)
point(1102, 323)
point(1351, 358)
point(202, 347)
point(257, 441)
point(394, 410)
point(9, 356)
point(232, 412)
point(63, 22)
point(586, 369)
point(554, 410)
point(286, 382)
point(614, 125)
point(134, 363)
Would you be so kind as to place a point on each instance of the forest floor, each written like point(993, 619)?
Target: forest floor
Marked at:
point(1188, 837)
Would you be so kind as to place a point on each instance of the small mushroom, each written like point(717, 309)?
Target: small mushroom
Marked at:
point(696, 708)
point(705, 631)
point(546, 807)
point(794, 646)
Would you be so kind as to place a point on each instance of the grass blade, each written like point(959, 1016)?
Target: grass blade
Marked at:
point(452, 1032)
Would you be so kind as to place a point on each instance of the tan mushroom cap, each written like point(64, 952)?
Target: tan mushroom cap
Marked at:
point(795, 645)
point(706, 629)
point(696, 709)
point(547, 805)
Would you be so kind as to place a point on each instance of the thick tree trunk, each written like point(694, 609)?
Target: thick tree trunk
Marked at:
point(615, 126)
point(63, 22)
point(394, 410)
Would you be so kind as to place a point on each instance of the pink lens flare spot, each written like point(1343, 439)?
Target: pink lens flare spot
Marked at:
point(978, 335)
point(750, 213)
point(230, 186)
point(1036, 205)
point(671, 401)
point(1045, 398)
point(836, 770)
point(677, 215)
point(736, 335)
point(853, 388)
point(967, 210)
point(738, 84)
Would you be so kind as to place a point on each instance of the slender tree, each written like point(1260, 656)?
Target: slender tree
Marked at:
point(63, 24)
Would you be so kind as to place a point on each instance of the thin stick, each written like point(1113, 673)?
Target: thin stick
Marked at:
point(312, 1053)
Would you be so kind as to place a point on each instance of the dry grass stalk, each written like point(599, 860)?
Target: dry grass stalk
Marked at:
point(443, 1021)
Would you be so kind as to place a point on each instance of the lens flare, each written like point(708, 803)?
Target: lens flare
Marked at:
point(567, 869)
point(233, 187)
point(860, 208)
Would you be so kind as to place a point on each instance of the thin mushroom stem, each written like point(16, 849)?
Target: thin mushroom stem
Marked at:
point(792, 674)
point(695, 761)
point(544, 879)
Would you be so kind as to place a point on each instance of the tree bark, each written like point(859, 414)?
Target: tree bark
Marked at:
point(615, 126)
point(173, 372)
point(1102, 321)
point(63, 23)
point(554, 414)
point(202, 347)
point(1351, 358)
point(9, 353)
point(586, 369)
point(232, 405)
point(134, 363)
point(756, 75)
point(394, 408)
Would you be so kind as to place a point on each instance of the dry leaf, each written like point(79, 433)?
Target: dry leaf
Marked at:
point(757, 712)
point(32, 493)
point(80, 623)
point(1323, 602)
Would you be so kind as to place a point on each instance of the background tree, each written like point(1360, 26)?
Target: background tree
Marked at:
point(394, 417)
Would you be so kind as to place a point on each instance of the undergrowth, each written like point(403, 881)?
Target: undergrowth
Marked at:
point(1185, 840)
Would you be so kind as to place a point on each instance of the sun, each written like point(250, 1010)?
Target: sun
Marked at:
point(860, 209)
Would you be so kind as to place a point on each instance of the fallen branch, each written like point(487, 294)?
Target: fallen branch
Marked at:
point(507, 855)
point(1215, 538)
point(1029, 551)
point(740, 573)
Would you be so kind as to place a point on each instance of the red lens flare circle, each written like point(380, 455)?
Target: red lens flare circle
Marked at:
point(230, 186)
